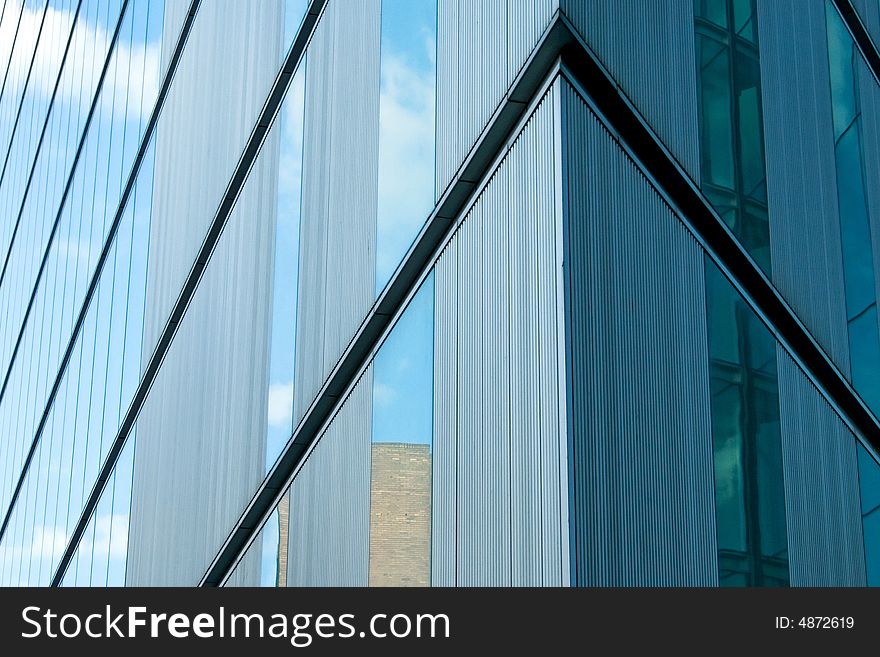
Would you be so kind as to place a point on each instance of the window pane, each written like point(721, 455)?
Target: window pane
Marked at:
point(855, 222)
point(744, 20)
point(855, 232)
point(840, 64)
point(406, 128)
point(712, 10)
point(869, 487)
point(717, 125)
point(733, 169)
point(864, 344)
point(286, 267)
point(751, 142)
point(749, 490)
point(400, 482)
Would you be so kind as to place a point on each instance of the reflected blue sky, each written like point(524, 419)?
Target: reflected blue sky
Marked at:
point(406, 128)
point(103, 371)
point(286, 273)
point(403, 374)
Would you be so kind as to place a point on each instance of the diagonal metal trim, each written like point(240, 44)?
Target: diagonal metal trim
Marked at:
point(151, 366)
point(43, 264)
point(560, 41)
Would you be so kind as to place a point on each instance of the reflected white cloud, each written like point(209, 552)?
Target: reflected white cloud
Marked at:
point(49, 542)
point(384, 394)
point(134, 70)
point(290, 166)
point(406, 163)
point(280, 405)
point(106, 539)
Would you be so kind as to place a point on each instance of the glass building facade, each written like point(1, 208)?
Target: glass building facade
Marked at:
point(406, 293)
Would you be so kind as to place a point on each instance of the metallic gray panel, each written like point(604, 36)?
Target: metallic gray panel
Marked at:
point(648, 47)
point(199, 439)
point(481, 46)
point(643, 495)
point(501, 463)
point(823, 513)
point(445, 450)
point(223, 65)
point(329, 526)
point(801, 172)
point(338, 229)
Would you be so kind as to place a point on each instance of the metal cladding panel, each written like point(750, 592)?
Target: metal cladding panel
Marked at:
point(230, 61)
point(481, 47)
point(823, 512)
point(801, 171)
point(445, 450)
point(500, 482)
point(643, 490)
point(649, 49)
point(199, 440)
point(338, 226)
point(329, 525)
point(869, 98)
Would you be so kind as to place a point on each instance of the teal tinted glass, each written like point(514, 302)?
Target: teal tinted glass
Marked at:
point(733, 170)
point(744, 23)
point(749, 489)
point(841, 56)
point(865, 359)
point(717, 124)
point(712, 10)
point(855, 231)
point(855, 222)
point(869, 486)
point(747, 86)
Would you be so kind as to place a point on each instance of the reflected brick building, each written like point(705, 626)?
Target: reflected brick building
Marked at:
point(400, 515)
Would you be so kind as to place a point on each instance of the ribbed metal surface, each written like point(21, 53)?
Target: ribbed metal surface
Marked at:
point(648, 47)
point(801, 172)
point(199, 448)
point(338, 229)
point(500, 482)
point(643, 495)
point(230, 62)
point(329, 524)
point(481, 46)
point(823, 514)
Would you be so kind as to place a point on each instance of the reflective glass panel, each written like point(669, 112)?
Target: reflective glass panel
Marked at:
point(852, 204)
point(733, 171)
point(749, 490)
point(401, 451)
point(406, 128)
point(869, 487)
point(286, 144)
point(717, 123)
